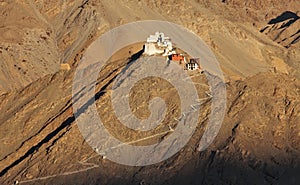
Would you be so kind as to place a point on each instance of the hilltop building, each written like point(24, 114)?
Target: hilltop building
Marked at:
point(193, 64)
point(159, 44)
point(178, 58)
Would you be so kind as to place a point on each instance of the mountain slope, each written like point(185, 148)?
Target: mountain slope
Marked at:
point(41, 143)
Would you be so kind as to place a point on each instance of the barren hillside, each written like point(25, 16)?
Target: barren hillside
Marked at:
point(255, 42)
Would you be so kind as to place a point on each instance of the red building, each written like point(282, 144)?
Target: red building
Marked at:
point(177, 57)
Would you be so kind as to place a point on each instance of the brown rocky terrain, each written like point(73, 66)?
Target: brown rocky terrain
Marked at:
point(284, 29)
point(256, 43)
